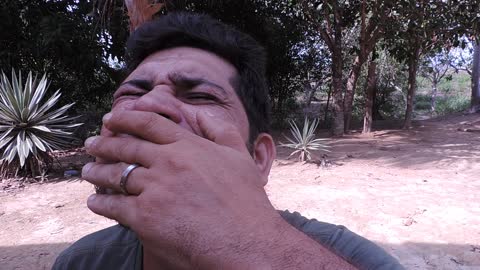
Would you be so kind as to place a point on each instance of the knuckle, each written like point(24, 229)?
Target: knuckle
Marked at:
point(114, 175)
point(143, 215)
point(135, 152)
point(179, 135)
point(119, 117)
point(123, 149)
point(149, 123)
point(111, 206)
point(176, 164)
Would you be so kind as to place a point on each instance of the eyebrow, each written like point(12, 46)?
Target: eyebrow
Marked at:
point(178, 79)
point(185, 81)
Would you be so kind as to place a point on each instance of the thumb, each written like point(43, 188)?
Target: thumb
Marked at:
point(220, 132)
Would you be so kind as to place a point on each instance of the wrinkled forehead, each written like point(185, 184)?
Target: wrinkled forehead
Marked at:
point(186, 60)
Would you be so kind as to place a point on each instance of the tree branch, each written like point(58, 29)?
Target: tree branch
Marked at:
point(326, 37)
point(325, 32)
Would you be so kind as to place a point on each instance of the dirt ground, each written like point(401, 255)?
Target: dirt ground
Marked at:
point(416, 193)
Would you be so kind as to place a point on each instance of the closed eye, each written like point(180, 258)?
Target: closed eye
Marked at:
point(203, 96)
point(127, 93)
point(133, 88)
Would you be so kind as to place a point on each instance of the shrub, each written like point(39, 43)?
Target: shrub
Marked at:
point(304, 142)
point(29, 126)
point(423, 103)
point(452, 104)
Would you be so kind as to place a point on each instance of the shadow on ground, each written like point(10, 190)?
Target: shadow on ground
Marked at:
point(435, 143)
point(427, 256)
point(30, 257)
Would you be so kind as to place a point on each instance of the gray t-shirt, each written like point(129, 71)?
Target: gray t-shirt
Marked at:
point(118, 248)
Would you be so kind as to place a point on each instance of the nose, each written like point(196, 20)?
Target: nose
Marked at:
point(160, 100)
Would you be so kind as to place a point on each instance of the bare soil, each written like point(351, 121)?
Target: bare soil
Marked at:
point(416, 193)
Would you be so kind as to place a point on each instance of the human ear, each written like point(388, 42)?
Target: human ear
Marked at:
point(264, 152)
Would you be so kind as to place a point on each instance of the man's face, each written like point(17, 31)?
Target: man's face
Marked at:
point(177, 83)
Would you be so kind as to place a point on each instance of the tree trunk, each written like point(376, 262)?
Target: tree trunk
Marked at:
point(328, 104)
point(412, 87)
point(338, 115)
point(281, 101)
point(476, 79)
point(337, 89)
point(433, 102)
point(376, 106)
point(370, 86)
point(350, 93)
point(311, 91)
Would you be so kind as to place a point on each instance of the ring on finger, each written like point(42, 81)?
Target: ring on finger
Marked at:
point(124, 178)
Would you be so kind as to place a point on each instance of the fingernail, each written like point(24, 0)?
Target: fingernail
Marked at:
point(86, 169)
point(107, 117)
point(89, 142)
point(92, 198)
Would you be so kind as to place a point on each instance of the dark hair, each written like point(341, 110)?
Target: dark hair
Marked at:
point(201, 31)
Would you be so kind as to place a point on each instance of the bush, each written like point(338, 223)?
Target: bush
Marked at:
point(304, 142)
point(423, 103)
point(452, 104)
point(29, 126)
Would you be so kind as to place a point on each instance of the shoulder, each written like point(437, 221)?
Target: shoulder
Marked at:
point(359, 251)
point(112, 248)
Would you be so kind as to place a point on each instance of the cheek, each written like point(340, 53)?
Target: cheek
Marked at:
point(190, 116)
point(235, 117)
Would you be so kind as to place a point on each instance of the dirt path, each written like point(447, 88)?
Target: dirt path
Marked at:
point(416, 193)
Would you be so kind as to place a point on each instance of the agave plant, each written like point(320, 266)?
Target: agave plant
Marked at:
point(29, 126)
point(304, 141)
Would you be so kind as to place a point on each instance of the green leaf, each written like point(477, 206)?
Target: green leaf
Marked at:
point(30, 127)
point(304, 140)
point(5, 141)
point(42, 128)
point(38, 143)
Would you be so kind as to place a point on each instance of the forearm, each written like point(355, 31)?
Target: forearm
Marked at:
point(279, 247)
point(298, 251)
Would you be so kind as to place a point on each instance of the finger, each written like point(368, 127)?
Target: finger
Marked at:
point(221, 132)
point(118, 207)
point(146, 125)
point(126, 149)
point(109, 175)
point(107, 133)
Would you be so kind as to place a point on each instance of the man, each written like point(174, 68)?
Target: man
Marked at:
point(185, 155)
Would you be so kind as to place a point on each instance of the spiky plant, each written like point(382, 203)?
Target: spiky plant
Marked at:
point(29, 126)
point(304, 141)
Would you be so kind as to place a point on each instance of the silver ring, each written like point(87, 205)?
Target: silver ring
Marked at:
point(124, 178)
